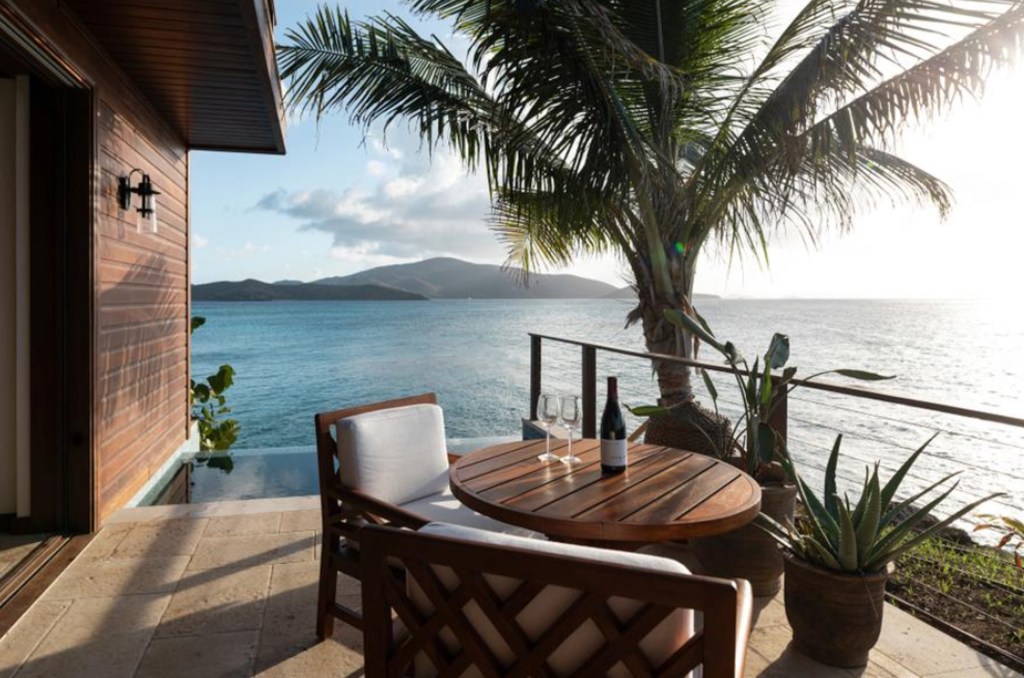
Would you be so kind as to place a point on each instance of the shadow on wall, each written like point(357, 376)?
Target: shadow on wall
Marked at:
point(142, 389)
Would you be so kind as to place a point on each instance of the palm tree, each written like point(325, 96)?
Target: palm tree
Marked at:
point(659, 128)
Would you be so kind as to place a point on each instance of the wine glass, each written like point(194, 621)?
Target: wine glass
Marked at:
point(547, 410)
point(571, 414)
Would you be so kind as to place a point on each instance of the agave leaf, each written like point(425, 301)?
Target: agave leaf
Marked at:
point(889, 491)
point(778, 351)
point(847, 555)
point(831, 500)
point(905, 526)
point(884, 556)
point(862, 502)
point(893, 511)
point(822, 524)
point(867, 528)
point(827, 557)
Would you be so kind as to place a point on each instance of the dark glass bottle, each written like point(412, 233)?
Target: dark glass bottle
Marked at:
point(613, 432)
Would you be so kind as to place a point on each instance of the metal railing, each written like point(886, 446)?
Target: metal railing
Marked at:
point(588, 384)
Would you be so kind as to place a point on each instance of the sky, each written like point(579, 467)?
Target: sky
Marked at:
point(342, 201)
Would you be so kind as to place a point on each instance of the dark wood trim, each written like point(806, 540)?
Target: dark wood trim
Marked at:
point(719, 645)
point(48, 60)
point(36, 573)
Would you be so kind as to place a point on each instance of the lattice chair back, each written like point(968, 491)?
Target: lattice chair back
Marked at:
point(476, 603)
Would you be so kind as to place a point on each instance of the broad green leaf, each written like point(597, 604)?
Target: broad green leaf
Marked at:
point(778, 351)
point(863, 375)
point(649, 410)
point(709, 385)
point(197, 322)
point(680, 319)
point(766, 387)
point(765, 443)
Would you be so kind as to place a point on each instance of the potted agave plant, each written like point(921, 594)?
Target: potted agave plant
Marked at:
point(755, 446)
point(838, 558)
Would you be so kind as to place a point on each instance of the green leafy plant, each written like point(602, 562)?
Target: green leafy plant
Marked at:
point(1012, 530)
point(753, 437)
point(861, 538)
point(208, 405)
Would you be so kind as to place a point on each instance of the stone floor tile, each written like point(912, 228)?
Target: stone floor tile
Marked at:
point(97, 637)
point(118, 577)
point(217, 655)
point(296, 653)
point(300, 521)
point(995, 670)
point(890, 665)
point(102, 545)
point(19, 642)
point(756, 664)
point(217, 601)
point(231, 526)
point(769, 612)
point(925, 650)
point(773, 642)
point(245, 551)
point(161, 539)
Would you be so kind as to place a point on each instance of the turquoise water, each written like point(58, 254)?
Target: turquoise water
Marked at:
point(296, 358)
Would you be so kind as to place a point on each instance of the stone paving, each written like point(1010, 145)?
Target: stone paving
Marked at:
point(229, 589)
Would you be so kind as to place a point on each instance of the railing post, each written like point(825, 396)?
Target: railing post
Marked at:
point(779, 417)
point(534, 375)
point(589, 392)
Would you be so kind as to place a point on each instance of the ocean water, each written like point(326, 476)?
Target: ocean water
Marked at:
point(296, 358)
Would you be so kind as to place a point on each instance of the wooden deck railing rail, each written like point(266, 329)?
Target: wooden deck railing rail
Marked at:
point(588, 384)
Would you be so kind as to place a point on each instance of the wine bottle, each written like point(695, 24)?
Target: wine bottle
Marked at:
point(613, 432)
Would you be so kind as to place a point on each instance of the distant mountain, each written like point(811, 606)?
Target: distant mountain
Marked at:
point(446, 278)
point(256, 290)
point(287, 282)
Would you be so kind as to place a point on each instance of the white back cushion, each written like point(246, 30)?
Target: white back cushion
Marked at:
point(395, 455)
point(546, 608)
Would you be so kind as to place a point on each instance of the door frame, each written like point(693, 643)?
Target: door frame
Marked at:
point(63, 187)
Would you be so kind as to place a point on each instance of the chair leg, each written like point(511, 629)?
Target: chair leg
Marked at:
point(327, 591)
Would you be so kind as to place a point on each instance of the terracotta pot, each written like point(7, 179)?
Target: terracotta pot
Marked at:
point(836, 618)
point(748, 553)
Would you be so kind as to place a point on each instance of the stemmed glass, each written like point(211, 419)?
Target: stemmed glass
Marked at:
point(571, 415)
point(547, 410)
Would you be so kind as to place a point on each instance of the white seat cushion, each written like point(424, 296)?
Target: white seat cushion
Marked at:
point(546, 608)
point(395, 455)
point(443, 507)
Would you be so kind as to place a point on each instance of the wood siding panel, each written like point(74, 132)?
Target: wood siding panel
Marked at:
point(140, 280)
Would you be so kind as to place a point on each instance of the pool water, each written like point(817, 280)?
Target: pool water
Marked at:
point(258, 474)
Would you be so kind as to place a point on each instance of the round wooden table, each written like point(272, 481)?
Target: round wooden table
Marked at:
point(664, 495)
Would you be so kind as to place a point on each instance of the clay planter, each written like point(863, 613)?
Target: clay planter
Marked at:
point(836, 618)
point(748, 553)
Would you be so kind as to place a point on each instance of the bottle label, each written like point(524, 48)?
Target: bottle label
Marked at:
point(613, 452)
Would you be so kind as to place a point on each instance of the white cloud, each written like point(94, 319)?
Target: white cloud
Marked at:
point(246, 251)
point(199, 241)
point(410, 205)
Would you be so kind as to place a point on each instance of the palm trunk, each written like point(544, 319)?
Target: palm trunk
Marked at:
point(689, 425)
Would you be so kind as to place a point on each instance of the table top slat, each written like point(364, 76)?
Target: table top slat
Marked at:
point(665, 494)
point(650, 491)
point(549, 473)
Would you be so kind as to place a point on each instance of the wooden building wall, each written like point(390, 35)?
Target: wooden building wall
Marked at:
point(140, 280)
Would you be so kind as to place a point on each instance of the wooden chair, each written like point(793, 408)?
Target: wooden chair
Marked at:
point(508, 606)
point(344, 511)
point(394, 471)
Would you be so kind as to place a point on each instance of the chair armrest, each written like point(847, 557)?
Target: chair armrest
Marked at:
point(389, 512)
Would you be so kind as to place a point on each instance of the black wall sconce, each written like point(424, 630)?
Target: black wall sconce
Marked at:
point(147, 208)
